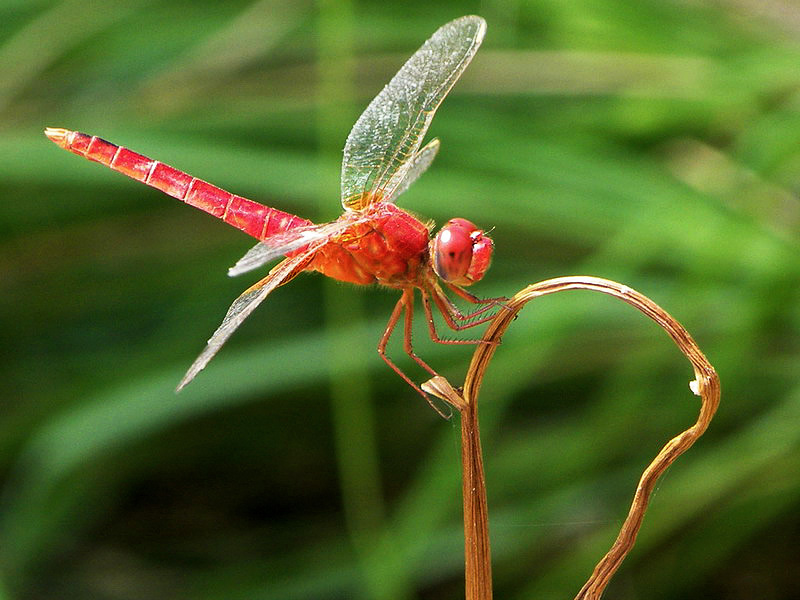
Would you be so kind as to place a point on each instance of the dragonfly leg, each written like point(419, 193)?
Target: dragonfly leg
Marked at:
point(446, 305)
point(450, 313)
point(406, 303)
point(464, 294)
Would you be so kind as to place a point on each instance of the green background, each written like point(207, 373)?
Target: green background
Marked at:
point(654, 142)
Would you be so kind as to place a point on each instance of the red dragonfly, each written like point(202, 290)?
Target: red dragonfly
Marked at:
point(374, 241)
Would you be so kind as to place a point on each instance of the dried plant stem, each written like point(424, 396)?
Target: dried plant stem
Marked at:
point(477, 553)
point(476, 530)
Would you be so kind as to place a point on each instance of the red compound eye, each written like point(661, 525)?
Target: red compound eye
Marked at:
point(461, 252)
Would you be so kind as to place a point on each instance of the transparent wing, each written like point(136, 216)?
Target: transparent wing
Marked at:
point(279, 245)
point(416, 167)
point(243, 306)
point(390, 130)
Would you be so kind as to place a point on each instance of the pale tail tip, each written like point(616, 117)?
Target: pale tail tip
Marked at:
point(184, 382)
point(57, 135)
point(190, 375)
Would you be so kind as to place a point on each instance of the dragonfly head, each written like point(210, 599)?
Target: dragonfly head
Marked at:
point(461, 252)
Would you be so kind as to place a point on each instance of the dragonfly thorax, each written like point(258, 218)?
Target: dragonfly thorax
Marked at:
point(461, 252)
point(385, 245)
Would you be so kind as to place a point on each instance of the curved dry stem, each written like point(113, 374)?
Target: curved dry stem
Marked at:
point(706, 385)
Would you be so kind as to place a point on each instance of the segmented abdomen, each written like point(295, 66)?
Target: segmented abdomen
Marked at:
point(251, 217)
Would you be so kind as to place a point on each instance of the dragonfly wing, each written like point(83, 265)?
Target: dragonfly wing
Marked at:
point(284, 243)
point(243, 306)
point(390, 130)
point(261, 254)
point(417, 166)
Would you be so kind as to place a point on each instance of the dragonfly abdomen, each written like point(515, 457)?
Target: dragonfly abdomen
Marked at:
point(251, 217)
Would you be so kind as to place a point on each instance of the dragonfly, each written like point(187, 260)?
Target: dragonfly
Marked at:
point(373, 241)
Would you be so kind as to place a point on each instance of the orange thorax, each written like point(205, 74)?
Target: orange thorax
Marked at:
point(388, 248)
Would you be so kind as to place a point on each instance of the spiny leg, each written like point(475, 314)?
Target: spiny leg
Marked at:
point(464, 294)
point(450, 313)
point(447, 306)
point(408, 297)
point(406, 302)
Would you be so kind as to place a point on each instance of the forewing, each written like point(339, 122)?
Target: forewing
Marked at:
point(279, 245)
point(243, 306)
point(390, 130)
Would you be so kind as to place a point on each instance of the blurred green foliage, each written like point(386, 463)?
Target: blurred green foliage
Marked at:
point(652, 142)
